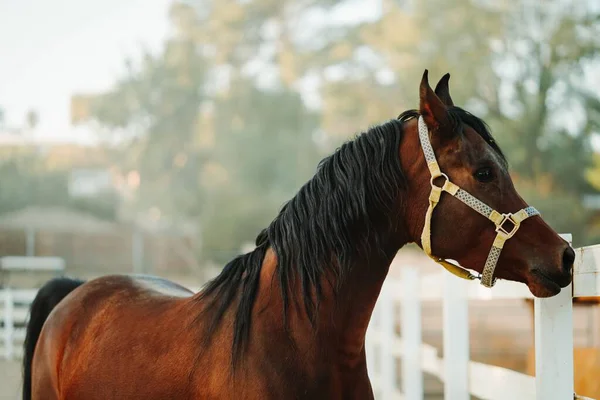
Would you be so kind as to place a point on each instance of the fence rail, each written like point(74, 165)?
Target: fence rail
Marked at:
point(29, 263)
point(461, 376)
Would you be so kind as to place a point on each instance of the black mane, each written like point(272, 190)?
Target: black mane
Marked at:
point(343, 212)
point(466, 118)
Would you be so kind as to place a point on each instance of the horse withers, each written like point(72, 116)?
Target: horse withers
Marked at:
point(288, 319)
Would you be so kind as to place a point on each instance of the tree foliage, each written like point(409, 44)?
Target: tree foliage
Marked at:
point(223, 123)
point(222, 152)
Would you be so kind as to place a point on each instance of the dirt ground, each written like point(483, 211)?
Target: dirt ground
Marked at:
point(10, 380)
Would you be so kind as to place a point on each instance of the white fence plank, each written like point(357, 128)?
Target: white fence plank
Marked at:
point(495, 383)
point(20, 263)
point(554, 344)
point(371, 358)
point(412, 375)
point(488, 382)
point(19, 314)
point(456, 338)
point(586, 274)
point(24, 296)
point(387, 361)
point(8, 324)
point(372, 349)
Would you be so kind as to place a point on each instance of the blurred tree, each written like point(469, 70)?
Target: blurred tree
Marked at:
point(265, 149)
point(541, 70)
point(593, 173)
point(155, 109)
point(219, 151)
point(220, 125)
point(32, 119)
point(545, 117)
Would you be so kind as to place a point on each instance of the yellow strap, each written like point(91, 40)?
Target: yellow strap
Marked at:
point(425, 235)
point(434, 198)
point(434, 168)
point(454, 269)
point(520, 216)
point(499, 241)
point(496, 217)
point(450, 188)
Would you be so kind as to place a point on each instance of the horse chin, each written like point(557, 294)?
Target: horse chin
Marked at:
point(541, 286)
point(538, 283)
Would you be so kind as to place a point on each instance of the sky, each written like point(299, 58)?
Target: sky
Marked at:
point(52, 49)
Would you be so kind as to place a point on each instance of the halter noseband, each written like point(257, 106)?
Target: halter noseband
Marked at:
point(506, 224)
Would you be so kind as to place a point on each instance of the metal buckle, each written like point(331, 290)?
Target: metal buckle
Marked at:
point(505, 232)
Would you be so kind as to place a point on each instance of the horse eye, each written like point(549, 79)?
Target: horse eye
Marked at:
point(484, 175)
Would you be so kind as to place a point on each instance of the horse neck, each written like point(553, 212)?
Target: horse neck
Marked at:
point(344, 313)
point(355, 302)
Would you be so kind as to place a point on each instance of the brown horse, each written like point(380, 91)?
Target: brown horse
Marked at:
point(288, 320)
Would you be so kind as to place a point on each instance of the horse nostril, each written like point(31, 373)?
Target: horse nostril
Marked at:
point(568, 259)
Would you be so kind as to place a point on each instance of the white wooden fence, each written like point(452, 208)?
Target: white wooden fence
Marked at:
point(462, 377)
point(15, 303)
point(15, 312)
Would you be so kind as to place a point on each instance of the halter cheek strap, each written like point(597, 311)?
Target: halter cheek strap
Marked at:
point(507, 225)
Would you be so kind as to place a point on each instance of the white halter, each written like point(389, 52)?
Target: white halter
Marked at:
point(503, 222)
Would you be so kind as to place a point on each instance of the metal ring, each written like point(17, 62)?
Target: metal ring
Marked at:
point(441, 175)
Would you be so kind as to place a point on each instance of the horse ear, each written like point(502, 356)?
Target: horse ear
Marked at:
point(443, 91)
point(432, 109)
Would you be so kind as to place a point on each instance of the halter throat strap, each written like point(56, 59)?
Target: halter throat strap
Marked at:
point(507, 225)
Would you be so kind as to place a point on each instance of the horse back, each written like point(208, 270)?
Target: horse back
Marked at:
point(134, 333)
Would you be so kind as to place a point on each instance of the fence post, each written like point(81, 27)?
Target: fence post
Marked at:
point(8, 324)
point(371, 350)
point(412, 376)
point(456, 339)
point(387, 358)
point(554, 344)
